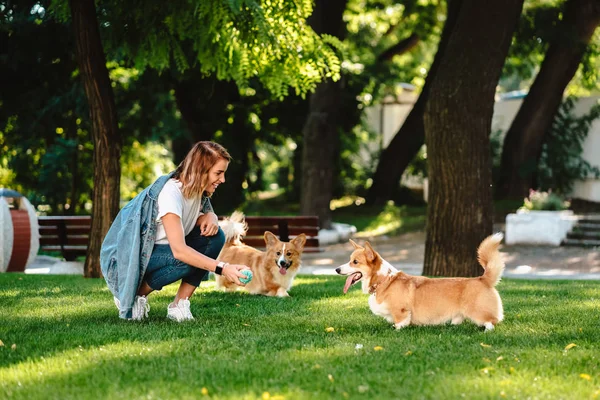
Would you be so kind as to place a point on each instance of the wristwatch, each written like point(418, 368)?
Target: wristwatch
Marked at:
point(219, 268)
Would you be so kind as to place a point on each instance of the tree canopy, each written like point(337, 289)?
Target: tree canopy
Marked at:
point(236, 39)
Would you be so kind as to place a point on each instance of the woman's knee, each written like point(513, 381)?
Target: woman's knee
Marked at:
point(215, 244)
point(218, 240)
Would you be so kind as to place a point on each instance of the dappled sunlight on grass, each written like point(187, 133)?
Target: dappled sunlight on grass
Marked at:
point(67, 362)
point(298, 281)
point(346, 201)
point(533, 373)
point(376, 221)
point(380, 229)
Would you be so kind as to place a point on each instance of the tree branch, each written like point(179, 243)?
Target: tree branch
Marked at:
point(401, 47)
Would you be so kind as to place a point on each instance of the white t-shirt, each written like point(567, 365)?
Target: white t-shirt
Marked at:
point(171, 200)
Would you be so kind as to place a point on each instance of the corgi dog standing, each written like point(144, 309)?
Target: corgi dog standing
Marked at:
point(273, 270)
point(404, 299)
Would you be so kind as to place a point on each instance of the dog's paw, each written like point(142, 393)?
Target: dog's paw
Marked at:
point(282, 293)
point(403, 323)
point(488, 327)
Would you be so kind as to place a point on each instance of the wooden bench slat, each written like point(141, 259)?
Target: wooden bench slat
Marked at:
point(68, 247)
point(71, 240)
point(85, 220)
point(292, 231)
point(259, 241)
point(291, 221)
point(79, 250)
point(260, 244)
point(70, 230)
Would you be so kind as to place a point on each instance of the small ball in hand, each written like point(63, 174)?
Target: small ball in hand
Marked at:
point(248, 278)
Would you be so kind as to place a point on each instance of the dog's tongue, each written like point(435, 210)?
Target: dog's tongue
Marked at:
point(282, 271)
point(348, 283)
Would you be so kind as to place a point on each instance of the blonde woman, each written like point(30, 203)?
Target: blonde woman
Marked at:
point(169, 232)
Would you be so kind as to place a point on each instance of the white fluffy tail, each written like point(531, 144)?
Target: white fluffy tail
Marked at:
point(490, 259)
point(234, 227)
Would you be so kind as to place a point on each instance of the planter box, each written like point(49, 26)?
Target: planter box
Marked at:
point(539, 227)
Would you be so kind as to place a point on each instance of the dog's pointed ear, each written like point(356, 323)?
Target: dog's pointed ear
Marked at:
point(356, 246)
point(299, 241)
point(369, 252)
point(270, 238)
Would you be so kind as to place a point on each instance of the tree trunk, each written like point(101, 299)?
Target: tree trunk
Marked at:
point(523, 142)
point(320, 153)
point(323, 125)
point(187, 98)
point(206, 105)
point(457, 122)
point(408, 140)
point(105, 135)
point(238, 138)
point(74, 168)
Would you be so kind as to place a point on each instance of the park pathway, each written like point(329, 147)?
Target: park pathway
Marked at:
point(406, 251)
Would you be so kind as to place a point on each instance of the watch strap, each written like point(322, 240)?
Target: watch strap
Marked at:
point(219, 268)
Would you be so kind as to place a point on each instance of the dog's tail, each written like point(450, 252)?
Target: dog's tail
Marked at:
point(490, 259)
point(234, 227)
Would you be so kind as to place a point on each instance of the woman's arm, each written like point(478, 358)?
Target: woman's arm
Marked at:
point(208, 223)
point(186, 254)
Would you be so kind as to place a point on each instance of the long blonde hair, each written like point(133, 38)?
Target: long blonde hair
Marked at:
point(192, 172)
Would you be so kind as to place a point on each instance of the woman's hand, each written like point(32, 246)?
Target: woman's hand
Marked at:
point(233, 273)
point(208, 223)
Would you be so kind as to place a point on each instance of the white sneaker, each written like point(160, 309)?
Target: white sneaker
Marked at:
point(180, 312)
point(140, 307)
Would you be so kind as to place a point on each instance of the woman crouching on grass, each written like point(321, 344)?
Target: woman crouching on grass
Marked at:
point(166, 233)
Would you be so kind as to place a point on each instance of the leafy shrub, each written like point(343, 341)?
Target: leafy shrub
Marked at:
point(561, 162)
point(548, 201)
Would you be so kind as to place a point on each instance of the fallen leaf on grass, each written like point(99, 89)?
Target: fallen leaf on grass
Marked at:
point(585, 376)
point(570, 346)
point(246, 324)
point(330, 329)
point(358, 346)
point(204, 391)
point(1, 343)
point(377, 348)
point(485, 345)
point(408, 353)
point(500, 358)
point(14, 346)
point(330, 377)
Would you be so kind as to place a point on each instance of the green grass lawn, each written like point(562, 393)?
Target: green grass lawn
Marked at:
point(62, 339)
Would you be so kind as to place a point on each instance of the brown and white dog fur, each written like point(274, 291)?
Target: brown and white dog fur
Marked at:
point(273, 270)
point(404, 299)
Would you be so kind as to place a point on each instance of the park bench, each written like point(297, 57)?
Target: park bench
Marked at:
point(69, 235)
point(286, 228)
